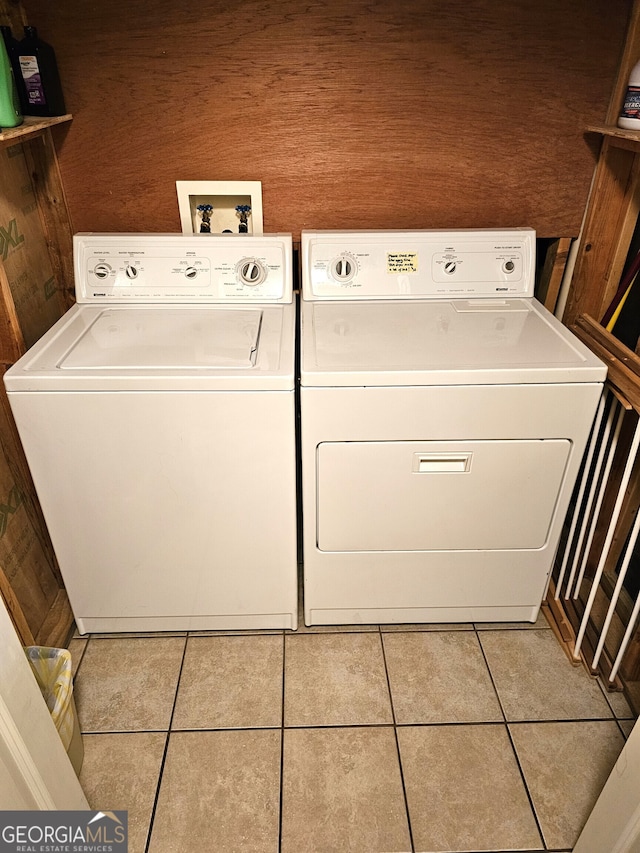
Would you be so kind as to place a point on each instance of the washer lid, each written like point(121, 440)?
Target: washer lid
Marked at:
point(162, 348)
point(440, 342)
point(156, 338)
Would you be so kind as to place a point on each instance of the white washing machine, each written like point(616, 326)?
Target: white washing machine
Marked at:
point(158, 421)
point(444, 414)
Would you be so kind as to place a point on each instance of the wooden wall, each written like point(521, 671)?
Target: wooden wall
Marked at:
point(352, 113)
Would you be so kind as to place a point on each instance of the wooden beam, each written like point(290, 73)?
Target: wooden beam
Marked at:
point(623, 364)
point(611, 217)
point(15, 611)
point(553, 271)
point(42, 162)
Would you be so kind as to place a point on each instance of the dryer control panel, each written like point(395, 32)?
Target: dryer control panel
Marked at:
point(418, 264)
point(183, 268)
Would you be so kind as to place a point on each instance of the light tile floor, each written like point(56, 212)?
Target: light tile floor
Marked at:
point(368, 739)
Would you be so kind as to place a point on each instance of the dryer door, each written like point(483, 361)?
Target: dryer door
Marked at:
point(438, 496)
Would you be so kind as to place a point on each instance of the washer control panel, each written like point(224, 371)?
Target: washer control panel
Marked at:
point(433, 264)
point(183, 268)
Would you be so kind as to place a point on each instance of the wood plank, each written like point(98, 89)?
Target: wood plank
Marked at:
point(12, 344)
point(58, 625)
point(606, 340)
point(612, 352)
point(42, 163)
point(353, 114)
point(24, 248)
point(553, 272)
point(607, 233)
point(15, 611)
point(630, 670)
point(30, 129)
point(17, 465)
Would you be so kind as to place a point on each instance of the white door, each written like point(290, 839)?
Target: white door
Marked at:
point(614, 824)
point(35, 772)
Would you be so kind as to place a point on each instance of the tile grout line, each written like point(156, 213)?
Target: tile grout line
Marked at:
point(434, 725)
point(513, 748)
point(166, 749)
point(526, 788)
point(395, 734)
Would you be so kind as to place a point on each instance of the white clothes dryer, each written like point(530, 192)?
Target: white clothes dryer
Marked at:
point(444, 414)
point(157, 417)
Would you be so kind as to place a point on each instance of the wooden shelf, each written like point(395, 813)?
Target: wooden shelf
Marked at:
point(618, 136)
point(32, 126)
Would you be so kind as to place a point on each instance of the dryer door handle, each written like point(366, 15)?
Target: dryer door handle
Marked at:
point(441, 463)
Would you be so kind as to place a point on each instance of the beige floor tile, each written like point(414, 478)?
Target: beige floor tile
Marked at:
point(220, 791)
point(335, 680)
point(565, 766)
point(230, 682)
point(464, 789)
point(536, 681)
point(342, 792)
point(439, 677)
point(128, 684)
point(121, 771)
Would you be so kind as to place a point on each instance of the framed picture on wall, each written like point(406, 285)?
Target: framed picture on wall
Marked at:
point(218, 207)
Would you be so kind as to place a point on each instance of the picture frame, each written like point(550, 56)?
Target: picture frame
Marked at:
point(217, 207)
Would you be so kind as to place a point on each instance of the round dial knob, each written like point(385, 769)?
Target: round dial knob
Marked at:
point(251, 272)
point(191, 272)
point(344, 268)
point(450, 267)
point(102, 270)
point(131, 271)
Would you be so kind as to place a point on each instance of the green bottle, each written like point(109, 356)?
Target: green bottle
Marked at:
point(10, 114)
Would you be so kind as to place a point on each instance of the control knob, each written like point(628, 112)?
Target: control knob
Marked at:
point(251, 272)
point(343, 269)
point(102, 270)
point(130, 271)
point(450, 267)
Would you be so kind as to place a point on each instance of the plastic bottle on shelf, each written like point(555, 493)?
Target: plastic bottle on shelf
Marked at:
point(10, 112)
point(40, 75)
point(12, 45)
point(630, 113)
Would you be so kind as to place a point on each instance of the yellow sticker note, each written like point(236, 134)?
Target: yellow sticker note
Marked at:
point(402, 262)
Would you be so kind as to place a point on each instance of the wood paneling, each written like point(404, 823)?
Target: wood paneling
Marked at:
point(432, 114)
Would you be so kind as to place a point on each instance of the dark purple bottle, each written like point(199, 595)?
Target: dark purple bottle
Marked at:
point(39, 70)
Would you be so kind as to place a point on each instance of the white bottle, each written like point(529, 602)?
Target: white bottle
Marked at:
point(630, 113)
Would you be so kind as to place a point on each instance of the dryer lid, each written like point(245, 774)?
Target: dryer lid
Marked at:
point(141, 338)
